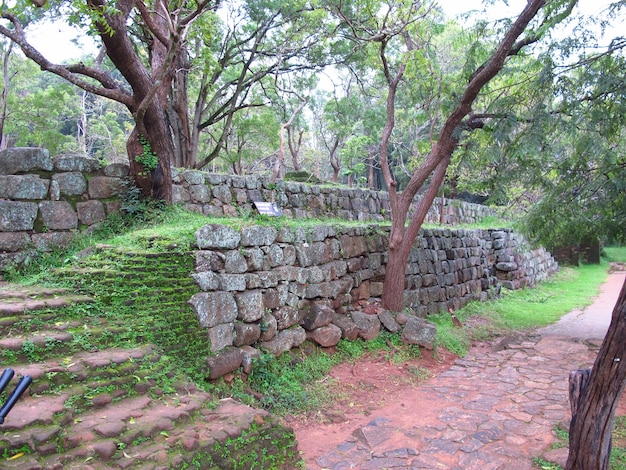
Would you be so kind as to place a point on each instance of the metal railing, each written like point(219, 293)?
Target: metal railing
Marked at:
point(21, 387)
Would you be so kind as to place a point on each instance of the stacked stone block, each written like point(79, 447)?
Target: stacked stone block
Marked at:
point(270, 289)
point(44, 201)
point(231, 195)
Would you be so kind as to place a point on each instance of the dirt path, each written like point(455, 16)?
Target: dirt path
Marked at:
point(494, 409)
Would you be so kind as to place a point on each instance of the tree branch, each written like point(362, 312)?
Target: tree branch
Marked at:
point(109, 89)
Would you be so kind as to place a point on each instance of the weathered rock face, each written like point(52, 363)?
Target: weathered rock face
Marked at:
point(273, 289)
point(419, 331)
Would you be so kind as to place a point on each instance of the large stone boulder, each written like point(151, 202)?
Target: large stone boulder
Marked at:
point(367, 325)
point(419, 331)
point(348, 328)
point(22, 160)
point(217, 236)
point(224, 362)
point(319, 315)
point(326, 336)
point(17, 216)
point(214, 308)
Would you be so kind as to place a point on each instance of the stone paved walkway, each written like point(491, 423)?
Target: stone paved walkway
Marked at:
point(492, 410)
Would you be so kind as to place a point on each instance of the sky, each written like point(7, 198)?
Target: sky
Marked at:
point(55, 42)
point(500, 9)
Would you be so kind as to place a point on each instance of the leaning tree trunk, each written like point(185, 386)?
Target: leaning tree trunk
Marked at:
point(154, 129)
point(594, 396)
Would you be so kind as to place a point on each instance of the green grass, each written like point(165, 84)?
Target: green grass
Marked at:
point(615, 254)
point(618, 451)
point(295, 382)
point(523, 309)
point(618, 448)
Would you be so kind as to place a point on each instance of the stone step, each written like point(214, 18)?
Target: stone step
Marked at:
point(146, 433)
point(58, 341)
point(93, 406)
point(82, 367)
point(16, 301)
point(17, 322)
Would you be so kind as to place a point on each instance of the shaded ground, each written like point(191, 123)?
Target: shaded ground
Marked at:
point(497, 408)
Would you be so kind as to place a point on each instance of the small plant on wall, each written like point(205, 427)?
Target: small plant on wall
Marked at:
point(147, 158)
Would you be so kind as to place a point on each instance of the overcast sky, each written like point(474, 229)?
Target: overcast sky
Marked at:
point(499, 9)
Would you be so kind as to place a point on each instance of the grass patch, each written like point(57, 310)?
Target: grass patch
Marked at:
point(523, 309)
point(618, 451)
point(615, 254)
point(295, 382)
point(618, 448)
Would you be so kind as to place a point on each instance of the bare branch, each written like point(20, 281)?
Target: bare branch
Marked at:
point(109, 87)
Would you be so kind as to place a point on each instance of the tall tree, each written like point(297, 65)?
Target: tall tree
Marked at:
point(260, 43)
point(179, 78)
point(148, 73)
point(394, 28)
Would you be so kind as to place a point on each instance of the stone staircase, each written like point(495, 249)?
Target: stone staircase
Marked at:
point(118, 363)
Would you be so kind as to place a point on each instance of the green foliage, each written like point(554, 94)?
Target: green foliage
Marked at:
point(543, 464)
point(254, 449)
point(614, 253)
point(148, 159)
point(618, 450)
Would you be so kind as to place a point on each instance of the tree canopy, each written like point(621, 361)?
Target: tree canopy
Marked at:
point(240, 85)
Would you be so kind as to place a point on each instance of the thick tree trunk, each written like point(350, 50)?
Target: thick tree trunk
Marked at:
point(395, 277)
point(594, 399)
point(401, 238)
point(156, 183)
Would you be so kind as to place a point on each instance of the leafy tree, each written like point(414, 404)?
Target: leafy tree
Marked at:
point(583, 191)
point(155, 49)
point(401, 32)
point(253, 141)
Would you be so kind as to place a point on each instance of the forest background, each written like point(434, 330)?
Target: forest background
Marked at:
point(272, 87)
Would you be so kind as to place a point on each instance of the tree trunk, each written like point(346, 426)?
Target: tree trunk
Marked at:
point(335, 160)
point(401, 238)
point(5, 94)
point(156, 183)
point(395, 277)
point(294, 147)
point(594, 399)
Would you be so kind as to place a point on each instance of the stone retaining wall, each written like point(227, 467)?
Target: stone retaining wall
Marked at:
point(45, 201)
point(230, 195)
point(270, 289)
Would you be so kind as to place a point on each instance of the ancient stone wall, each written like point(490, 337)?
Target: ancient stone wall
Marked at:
point(267, 288)
point(230, 195)
point(45, 201)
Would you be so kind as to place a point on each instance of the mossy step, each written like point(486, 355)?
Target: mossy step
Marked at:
point(42, 345)
point(189, 432)
point(18, 302)
point(11, 323)
point(125, 418)
point(82, 367)
point(121, 276)
point(18, 291)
